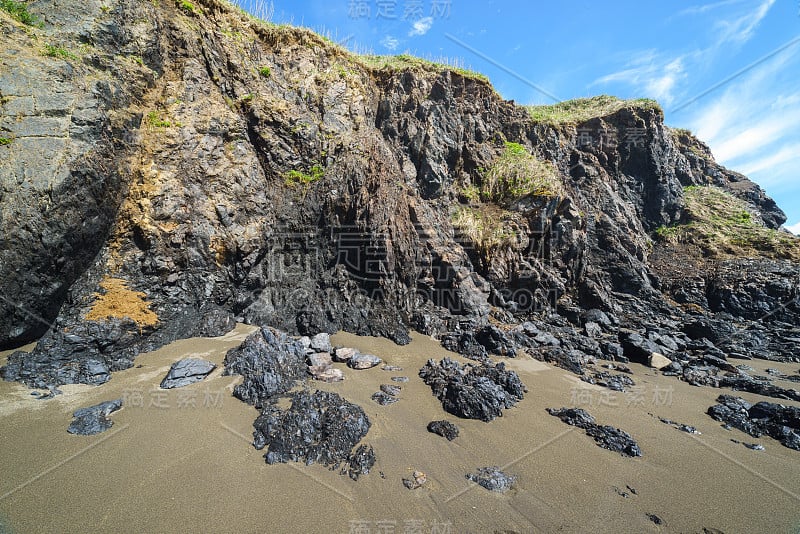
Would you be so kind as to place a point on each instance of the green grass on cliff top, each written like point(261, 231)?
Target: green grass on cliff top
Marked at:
point(406, 61)
point(583, 109)
point(722, 225)
point(567, 112)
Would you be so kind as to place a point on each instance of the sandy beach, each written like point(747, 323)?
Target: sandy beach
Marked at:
point(182, 460)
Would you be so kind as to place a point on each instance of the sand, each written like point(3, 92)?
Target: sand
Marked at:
point(181, 460)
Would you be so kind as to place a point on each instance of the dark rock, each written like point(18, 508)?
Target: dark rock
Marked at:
point(493, 479)
point(187, 371)
point(270, 362)
point(94, 419)
point(399, 379)
point(319, 427)
point(606, 436)
point(384, 399)
point(598, 317)
point(215, 323)
point(592, 329)
point(680, 426)
point(478, 391)
point(655, 519)
point(390, 389)
point(711, 329)
point(360, 462)
point(464, 343)
point(620, 492)
point(613, 351)
point(446, 429)
point(740, 382)
point(763, 418)
point(611, 381)
point(495, 341)
point(391, 368)
point(636, 347)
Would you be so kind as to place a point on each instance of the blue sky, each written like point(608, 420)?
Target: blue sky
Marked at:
point(729, 70)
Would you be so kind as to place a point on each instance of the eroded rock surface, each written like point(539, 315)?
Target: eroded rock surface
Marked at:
point(94, 419)
point(480, 391)
point(270, 362)
point(319, 427)
point(187, 371)
point(605, 436)
point(762, 418)
point(493, 479)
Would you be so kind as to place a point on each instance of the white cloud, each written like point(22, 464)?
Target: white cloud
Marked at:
point(699, 10)
point(421, 26)
point(794, 228)
point(741, 28)
point(652, 75)
point(390, 42)
point(753, 114)
point(770, 162)
point(658, 75)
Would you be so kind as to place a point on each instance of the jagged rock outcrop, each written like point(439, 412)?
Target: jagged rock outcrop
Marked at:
point(473, 391)
point(319, 427)
point(775, 420)
point(205, 168)
point(270, 362)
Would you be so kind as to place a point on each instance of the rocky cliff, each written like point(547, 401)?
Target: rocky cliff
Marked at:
point(169, 169)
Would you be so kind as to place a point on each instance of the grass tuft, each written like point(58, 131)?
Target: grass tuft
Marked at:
point(58, 52)
point(188, 7)
point(296, 178)
point(408, 62)
point(583, 109)
point(488, 227)
point(154, 120)
point(518, 173)
point(19, 11)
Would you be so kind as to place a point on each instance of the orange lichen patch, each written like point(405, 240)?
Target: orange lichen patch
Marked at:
point(120, 302)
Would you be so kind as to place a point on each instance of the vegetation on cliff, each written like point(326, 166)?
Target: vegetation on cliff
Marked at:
point(582, 109)
point(724, 225)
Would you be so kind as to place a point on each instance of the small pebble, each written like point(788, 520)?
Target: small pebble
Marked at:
point(418, 478)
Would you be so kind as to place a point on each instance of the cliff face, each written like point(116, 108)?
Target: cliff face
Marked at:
point(174, 169)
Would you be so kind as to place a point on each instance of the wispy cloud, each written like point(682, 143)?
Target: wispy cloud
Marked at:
point(652, 75)
point(390, 42)
point(741, 27)
point(788, 154)
point(751, 126)
point(700, 10)
point(659, 75)
point(421, 27)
